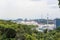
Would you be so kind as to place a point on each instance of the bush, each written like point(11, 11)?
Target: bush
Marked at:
point(10, 33)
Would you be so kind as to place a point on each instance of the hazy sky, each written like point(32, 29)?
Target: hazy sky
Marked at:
point(11, 9)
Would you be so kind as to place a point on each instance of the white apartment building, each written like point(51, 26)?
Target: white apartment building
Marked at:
point(40, 27)
point(29, 22)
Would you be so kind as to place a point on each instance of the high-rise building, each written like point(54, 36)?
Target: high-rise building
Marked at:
point(57, 22)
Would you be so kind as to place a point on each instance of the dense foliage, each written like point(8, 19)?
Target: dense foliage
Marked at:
point(59, 3)
point(14, 31)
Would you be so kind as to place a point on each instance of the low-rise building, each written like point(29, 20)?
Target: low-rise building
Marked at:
point(42, 27)
point(29, 22)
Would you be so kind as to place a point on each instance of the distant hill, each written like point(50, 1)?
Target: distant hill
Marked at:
point(43, 21)
point(18, 20)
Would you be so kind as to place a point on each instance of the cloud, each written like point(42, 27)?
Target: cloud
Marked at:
point(35, 0)
point(50, 2)
point(28, 8)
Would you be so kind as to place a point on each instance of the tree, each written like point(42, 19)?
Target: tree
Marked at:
point(59, 3)
point(30, 37)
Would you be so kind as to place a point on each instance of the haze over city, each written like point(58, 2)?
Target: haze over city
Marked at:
point(31, 9)
point(29, 19)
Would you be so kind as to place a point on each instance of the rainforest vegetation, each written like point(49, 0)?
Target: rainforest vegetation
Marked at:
point(13, 31)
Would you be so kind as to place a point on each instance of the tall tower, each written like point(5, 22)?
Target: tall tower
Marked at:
point(41, 19)
point(47, 19)
point(41, 16)
point(47, 22)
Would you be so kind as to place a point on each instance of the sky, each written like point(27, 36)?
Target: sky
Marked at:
point(31, 9)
